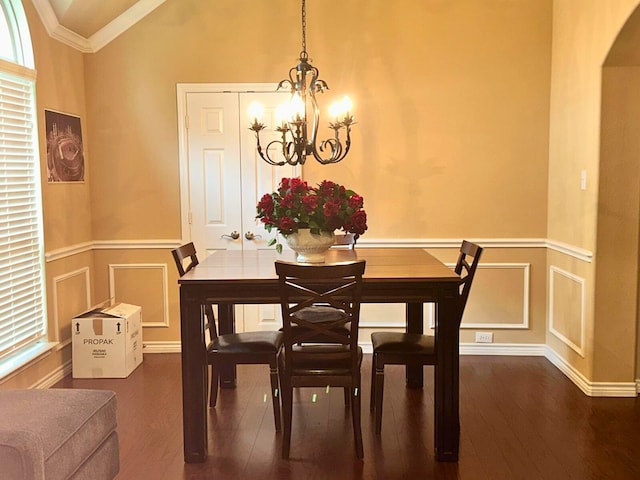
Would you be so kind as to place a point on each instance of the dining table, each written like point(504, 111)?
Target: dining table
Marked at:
point(409, 276)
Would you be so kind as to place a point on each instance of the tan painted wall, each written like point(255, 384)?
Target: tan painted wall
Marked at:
point(60, 85)
point(583, 33)
point(452, 100)
point(451, 103)
point(618, 225)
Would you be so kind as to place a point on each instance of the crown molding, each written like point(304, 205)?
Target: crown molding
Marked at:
point(103, 36)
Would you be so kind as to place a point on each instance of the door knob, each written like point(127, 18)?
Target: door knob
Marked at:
point(233, 235)
point(251, 236)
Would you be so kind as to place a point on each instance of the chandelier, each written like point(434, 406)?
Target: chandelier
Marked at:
point(296, 140)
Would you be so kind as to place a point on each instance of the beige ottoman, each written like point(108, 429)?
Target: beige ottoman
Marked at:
point(58, 434)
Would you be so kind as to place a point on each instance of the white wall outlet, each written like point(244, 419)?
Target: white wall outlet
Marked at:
point(583, 179)
point(484, 337)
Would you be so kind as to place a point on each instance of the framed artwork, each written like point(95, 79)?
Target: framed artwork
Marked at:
point(65, 155)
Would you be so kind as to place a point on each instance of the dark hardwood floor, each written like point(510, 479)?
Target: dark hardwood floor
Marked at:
point(520, 419)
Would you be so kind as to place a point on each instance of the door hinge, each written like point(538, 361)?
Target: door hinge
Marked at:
point(190, 218)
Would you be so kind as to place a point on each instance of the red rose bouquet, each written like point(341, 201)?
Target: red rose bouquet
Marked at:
point(327, 207)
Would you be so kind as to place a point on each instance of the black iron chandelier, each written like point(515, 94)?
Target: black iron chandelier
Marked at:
point(297, 142)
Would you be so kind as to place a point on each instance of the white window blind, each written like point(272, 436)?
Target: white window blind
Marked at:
point(22, 303)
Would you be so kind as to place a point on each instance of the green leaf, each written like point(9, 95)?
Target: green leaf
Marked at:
point(279, 248)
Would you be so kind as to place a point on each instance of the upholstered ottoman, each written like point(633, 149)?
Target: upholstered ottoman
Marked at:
point(51, 434)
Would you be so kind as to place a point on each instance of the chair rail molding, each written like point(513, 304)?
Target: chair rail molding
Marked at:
point(363, 242)
point(71, 250)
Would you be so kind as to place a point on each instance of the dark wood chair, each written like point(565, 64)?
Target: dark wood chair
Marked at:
point(186, 258)
point(234, 348)
point(325, 353)
point(398, 348)
point(347, 240)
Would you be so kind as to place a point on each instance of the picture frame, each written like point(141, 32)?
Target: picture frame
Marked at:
point(65, 152)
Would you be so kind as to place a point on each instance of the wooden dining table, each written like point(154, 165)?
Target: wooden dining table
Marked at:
point(410, 276)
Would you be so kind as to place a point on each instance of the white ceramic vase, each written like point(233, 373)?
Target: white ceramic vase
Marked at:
point(310, 247)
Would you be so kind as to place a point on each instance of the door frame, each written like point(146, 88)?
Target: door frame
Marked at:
point(182, 89)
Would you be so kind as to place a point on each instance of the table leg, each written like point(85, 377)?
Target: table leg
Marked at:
point(415, 324)
point(227, 324)
point(447, 371)
point(194, 379)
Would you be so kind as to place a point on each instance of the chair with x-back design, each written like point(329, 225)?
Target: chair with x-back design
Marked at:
point(326, 353)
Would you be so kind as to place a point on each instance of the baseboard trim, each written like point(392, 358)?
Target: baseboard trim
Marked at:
point(591, 389)
point(503, 349)
point(161, 347)
point(55, 376)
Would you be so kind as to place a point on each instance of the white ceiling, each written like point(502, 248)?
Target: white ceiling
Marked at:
point(88, 25)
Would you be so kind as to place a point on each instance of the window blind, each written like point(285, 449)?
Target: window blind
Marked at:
point(22, 305)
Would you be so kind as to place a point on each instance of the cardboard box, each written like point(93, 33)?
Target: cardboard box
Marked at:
point(107, 342)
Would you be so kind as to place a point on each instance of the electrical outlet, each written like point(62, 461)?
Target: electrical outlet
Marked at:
point(484, 337)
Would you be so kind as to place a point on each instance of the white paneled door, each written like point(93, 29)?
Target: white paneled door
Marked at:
point(222, 176)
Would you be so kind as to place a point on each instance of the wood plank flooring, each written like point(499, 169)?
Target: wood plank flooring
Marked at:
point(520, 419)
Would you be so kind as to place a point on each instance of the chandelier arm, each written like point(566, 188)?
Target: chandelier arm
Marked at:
point(286, 82)
point(335, 149)
point(338, 151)
point(289, 152)
point(267, 158)
point(303, 82)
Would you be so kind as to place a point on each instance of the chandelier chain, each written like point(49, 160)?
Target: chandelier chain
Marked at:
point(298, 132)
point(304, 30)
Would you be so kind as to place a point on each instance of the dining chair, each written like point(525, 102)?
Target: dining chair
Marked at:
point(326, 353)
point(326, 314)
point(398, 348)
point(347, 240)
point(323, 312)
point(261, 347)
point(186, 258)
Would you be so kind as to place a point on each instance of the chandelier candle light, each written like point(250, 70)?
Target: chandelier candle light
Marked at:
point(296, 141)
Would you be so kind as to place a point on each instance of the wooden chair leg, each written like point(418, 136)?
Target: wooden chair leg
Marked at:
point(275, 393)
point(286, 394)
point(372, 395)
point(356, 410)
point(379, 392)
point(215, 380)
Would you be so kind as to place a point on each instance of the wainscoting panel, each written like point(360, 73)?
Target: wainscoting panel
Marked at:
point(567, 315)
point(71, 295)
point(499, 298)
point(143, 284)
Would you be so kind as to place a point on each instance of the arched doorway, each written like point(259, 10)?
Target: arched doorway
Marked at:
point(618, 233)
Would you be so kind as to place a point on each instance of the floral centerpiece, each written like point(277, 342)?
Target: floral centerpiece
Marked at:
point(296, 205)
